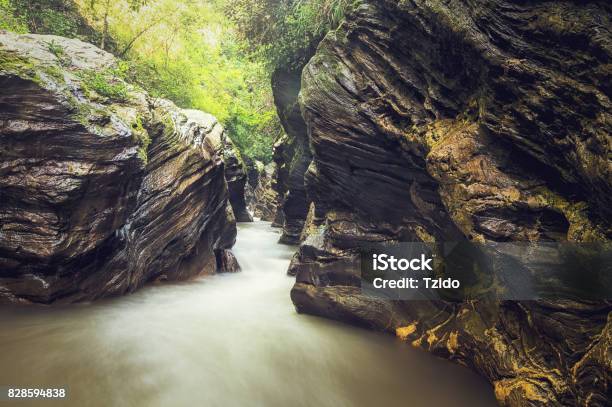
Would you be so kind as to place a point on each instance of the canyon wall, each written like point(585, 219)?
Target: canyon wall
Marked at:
point(291, 155)
point(265, 197)
point(102, 187)
point(472, 120)
point(237, 180)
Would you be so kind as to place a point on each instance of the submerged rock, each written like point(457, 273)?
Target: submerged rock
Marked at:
point(103, 188)
point(441, 121)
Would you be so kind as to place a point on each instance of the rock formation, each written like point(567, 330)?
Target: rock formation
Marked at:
point(262, 196)
point(252, 169)
point(482, 120)
point(292, 154)
point(280, 178)
point(103, 188)
point(236, 176)
point(265, 204)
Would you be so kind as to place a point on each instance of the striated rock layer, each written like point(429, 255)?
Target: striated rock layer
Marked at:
point(252, 170)
point(265, 201)
point(291, 155)
point(449, 120)
point(102, 188)
point(237, 178)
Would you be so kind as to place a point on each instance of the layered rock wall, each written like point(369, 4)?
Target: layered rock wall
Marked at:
point(102, 188)
point(292, 155)
point(448, 120)
point(237, 180)
point(265, 204)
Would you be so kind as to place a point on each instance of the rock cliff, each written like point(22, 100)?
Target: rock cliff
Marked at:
point(292, 155)
point(236, 177)
point(265, 204)
point(449, 120)
point(103, 188)
point(252, 170)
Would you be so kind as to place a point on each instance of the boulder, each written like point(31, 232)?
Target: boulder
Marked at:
point(103, 187)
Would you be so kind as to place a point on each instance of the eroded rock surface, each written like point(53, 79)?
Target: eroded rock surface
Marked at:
point(237, 180)
point(449, 120)
point(253, 168)
point(102, 188)
point(265, 202)
point(292, 155)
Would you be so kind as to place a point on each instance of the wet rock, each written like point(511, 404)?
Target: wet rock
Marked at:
point(252, 169)
point(292, 154)
point(280, 179)
point(103, 188)
point(227, 262)
point(236, 176)
point(265, 197)
point(441, 121)
point(262, 198)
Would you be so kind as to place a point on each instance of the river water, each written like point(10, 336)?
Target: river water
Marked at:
point(225, 340)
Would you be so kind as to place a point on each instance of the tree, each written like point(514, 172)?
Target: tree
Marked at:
point(283, 31)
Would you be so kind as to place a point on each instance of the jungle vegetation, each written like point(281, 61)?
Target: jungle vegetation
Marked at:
point(213, 55)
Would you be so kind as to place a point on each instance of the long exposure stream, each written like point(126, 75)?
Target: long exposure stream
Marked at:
point(225, 340)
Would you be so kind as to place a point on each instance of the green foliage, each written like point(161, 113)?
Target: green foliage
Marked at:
point(107, 83)
point(188, 51)
point(9, 20)
point(55, 22)
point(254, 133)
point(59, 52)
point(56, 49)
point(282, 32)
point(57, 17)
point(141, 135)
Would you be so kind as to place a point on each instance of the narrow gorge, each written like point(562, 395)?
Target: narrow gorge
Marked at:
point(427, 121)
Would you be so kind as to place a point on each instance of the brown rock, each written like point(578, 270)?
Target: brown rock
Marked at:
point(291, 154)
point(236, 176)
point(103, 188)
point(483, 120)
point(265, 205)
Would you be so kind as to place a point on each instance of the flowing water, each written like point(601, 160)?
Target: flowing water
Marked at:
point(225, 340)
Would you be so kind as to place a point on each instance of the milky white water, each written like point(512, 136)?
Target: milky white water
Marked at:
point(226, 340)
